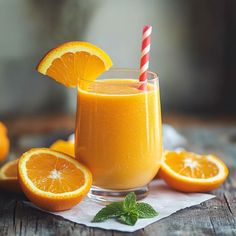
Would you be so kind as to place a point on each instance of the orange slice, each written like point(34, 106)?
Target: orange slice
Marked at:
point(190, 172)
point(8, 177)
point(52, 180)
point(66, 147)
point(74, 62)
point(4, 142)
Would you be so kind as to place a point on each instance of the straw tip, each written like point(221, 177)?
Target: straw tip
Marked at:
point(146, 27)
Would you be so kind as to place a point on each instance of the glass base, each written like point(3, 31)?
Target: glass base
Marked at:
point(106, 196)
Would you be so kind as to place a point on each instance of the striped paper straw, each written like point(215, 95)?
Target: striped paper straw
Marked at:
point(144, 62)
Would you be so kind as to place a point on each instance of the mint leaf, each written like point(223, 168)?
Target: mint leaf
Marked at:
point(126, 212)
point(112, 210)
point(130, 202)
point(129, 218)
point(145, 210)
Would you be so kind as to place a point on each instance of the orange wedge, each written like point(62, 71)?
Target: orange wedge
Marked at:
point(73, 62)
point(52, 180)
point(66, 147)
point(4, 142)
point(8, 177)
point(190, 172)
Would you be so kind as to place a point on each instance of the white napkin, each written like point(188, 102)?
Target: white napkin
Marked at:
point(164, 200)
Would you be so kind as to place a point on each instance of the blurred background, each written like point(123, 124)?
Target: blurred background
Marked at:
point(193, 50)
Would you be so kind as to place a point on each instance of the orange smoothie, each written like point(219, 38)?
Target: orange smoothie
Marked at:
point(118, 133)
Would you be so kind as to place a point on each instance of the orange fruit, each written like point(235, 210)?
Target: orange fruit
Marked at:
point(4, 142)
point(53, 180)
point(190, 172)
point(66, 147)
point(75, 62)
point(8, 177)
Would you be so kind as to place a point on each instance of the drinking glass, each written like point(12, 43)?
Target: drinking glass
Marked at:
point(119, 133)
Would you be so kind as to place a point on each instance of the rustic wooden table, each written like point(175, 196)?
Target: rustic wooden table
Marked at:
point(214, 217)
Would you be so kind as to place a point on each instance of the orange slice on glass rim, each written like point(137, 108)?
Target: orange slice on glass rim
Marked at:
point(53, 180)
point(190, 172)
point(8, 177)
point(67, 147)
point(74, 63)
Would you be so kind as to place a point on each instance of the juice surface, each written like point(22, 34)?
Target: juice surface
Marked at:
point(118, 133)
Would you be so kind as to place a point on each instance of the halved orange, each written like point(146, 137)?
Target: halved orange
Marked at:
point(67, 147)
point(74, 62)
point(53, 180)
point(190, 172)
point(8, 177)
point(4, 142)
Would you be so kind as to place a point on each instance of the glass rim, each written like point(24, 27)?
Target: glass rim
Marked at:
point(126, 69)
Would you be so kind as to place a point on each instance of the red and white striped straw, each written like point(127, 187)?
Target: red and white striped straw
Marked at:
point(144, 62)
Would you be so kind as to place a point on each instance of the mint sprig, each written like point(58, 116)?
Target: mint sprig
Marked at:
point(126, 212)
